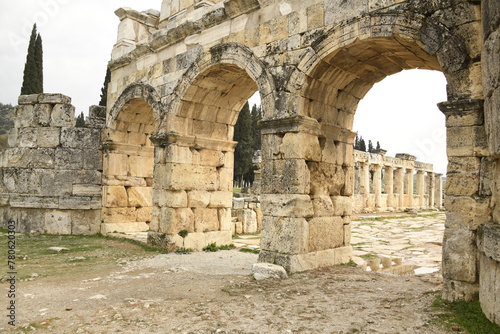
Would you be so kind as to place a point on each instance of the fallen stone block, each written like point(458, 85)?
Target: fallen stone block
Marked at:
point(263, 271)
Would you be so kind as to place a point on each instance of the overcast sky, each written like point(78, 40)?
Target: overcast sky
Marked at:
point(400, 112)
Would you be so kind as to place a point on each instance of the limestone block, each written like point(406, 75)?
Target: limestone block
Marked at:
point(92, 159)
point(489, 287)
point(57, 222)
point(116, 164)
point(80, 203)
point(170, 198)
point(260, 216)
point(118, 215)
point(323, 206)
point(27, 137)
point(194, 241)
point(62, 115)
point(178, 219)
point(115, 196)
point(262, 271)
point(140, 196)
point(48, 137)
point(42, 113)
point(124, 227)
point(238, 203)
point(301, 146)
point(57, 182)
point(288, 205)
point(87, 190)
point(141, 166)
point(462, 184)
point(218, 237)
point(462, 137)
point(225, 178)
point(489, 240)
point(285, 235)
point(492, 118)
point(198, 198)
point(459, 255)
point(491, 68)
point(289, 176)
point(68, 158)
point(33, 202)
point(206, 219)
point(248, 219)
point(464, 211)
point(325, 233)
point(315, 16)
point(225, 219)
point(82, 138)
point(212, 158)
point(336, 10)
point(85, 222)
point(178, 154)
point(221, 199)
point(144, 214)
point(53, 98)
point(186, 177)
point(27, 99)
point(342, 205)
point(326, 179)
point(24, 116)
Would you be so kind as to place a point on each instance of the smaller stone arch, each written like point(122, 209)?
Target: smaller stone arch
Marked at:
point(228, 56)
point(136, 91)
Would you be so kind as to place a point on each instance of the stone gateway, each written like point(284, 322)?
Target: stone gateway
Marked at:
point(163, 161)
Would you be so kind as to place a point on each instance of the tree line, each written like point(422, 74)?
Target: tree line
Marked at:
point(360, 145)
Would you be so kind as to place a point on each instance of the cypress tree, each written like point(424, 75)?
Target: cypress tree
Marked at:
point(104, 89)
point(370, 146)
point(362, 144)
point(80, 121)
point(39, 63)
point(256, 117)
point(378, 145)
point(33, 69)
point(243, 152)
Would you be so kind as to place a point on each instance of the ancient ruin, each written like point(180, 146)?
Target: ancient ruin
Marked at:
point(180, 77)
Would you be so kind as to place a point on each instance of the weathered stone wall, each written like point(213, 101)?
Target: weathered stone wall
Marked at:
point(488, 240)
point(51, 173)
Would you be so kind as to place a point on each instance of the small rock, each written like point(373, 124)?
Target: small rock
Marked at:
point(267, 270)
point(59, 249)
point(69, 308)
point(34, 275)
point(98, 297)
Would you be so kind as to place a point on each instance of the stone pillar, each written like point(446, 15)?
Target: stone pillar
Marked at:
point(431, 185)
point(306, 194)
point(409, 187)
point(399, 187)
point(192, 191)
point(439, 191)
point(421, 188)
point(466, 209)
point(389, 186)
point(364, 182)
point(377, 185)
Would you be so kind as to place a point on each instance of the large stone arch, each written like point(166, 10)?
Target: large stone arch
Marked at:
point(194, 169)
point(128, 159)
point(334, 73)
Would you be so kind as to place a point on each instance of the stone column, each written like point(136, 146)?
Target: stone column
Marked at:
point(377, 185)
point(399, 187)
point(409, 187)
point(431, 185)
point(364, 182)
point(389, 186)
point(420, 188)
point(306, 194)
point(439, 191)
point(466, 209)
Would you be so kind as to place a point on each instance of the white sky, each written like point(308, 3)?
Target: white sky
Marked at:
point(78, 36)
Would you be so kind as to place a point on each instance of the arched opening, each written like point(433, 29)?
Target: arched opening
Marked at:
point(401, 114)
point(198, 148)
point(128, 168)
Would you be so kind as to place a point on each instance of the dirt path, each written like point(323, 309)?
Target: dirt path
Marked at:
point(214, 293)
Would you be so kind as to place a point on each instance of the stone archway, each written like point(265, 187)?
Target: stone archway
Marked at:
point(194, 169)
point(128, 160)
point(308, 224)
